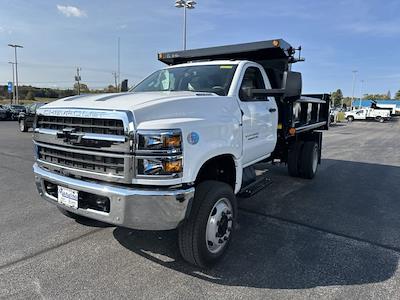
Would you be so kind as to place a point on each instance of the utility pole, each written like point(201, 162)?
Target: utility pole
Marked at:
point(354, 85)
point(15, 46)
point(361, 93)
point(13, 77)
point(119, 66)
point(78, 79)
point(115, 78)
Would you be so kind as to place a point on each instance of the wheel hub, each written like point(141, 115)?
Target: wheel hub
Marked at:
point(219, 225)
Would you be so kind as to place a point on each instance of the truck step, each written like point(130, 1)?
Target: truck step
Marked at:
point(255, 187)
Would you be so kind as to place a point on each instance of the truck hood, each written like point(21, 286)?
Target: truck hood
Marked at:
point(154, 109)
point(122, 101)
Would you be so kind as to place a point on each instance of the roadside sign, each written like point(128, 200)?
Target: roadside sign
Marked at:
point(10, 87)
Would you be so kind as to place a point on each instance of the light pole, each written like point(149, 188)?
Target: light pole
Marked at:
point(354, 85)
point(16, 69)
point(361, 93)
point(78, 79)
point(13, 76)
point(185, 4)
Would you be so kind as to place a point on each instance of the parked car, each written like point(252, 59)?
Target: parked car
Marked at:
point(14, 110)
point(3, 113)
point(25, 119)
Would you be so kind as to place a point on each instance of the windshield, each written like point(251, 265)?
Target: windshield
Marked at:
point(206, 78)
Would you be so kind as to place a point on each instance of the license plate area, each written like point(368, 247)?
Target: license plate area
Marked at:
point(68, 197)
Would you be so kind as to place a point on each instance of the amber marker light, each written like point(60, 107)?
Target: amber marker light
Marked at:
point(173, 166)
point(173, 141)
point(292, 131)
point(275, 43)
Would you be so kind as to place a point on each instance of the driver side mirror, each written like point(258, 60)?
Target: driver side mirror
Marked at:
point(291, 87)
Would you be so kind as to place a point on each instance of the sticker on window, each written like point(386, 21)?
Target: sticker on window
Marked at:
point(225, 67)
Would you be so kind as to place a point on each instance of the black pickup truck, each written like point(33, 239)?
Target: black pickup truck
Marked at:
point(26, 119)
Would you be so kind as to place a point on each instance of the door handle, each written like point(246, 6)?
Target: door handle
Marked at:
point(272, 110)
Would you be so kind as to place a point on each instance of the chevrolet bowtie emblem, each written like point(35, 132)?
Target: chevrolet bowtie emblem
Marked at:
point(69, 135)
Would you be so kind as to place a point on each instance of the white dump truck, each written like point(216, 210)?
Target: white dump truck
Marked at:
point(176, 150)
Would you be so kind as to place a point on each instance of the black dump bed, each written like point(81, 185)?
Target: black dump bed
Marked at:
point(302, 112)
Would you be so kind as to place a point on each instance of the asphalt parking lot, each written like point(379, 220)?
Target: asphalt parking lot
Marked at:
point(335, 237)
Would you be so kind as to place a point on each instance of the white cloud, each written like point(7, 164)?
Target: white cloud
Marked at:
point(5, 30)
point(377, 28)
point(71, 11)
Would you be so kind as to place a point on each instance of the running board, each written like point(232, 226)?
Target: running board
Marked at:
point(255, 187)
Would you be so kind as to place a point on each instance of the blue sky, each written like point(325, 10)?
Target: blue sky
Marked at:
point(337, 37)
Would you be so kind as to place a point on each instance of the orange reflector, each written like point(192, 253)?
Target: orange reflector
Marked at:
point(275, 43)
point(173, 166)
point(292, 131)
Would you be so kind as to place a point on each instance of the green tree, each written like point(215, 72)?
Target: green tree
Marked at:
point(397, 96)
point(83, 87)
point(30, 96)
point(376, 97)
point(110, 89)
point(337, 97)
point(347, 101)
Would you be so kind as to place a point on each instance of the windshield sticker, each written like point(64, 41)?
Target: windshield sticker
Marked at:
point(226, 67)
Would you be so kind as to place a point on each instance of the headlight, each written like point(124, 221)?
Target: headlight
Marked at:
point(158, 141)
point(165, 166)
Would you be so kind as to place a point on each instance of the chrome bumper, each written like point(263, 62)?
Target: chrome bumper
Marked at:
point(155, 209)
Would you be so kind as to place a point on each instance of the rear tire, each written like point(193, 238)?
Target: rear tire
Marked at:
point(294, 153)
point(205, 236)
point(22, 126)
point(309, 160)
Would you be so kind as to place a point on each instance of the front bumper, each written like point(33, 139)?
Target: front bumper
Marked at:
point(132, 207)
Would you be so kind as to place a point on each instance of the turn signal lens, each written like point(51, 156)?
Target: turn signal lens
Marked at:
point(173, 166)
point(160, 166)
point(275, 43)
point(292, 131)
point(173, 141)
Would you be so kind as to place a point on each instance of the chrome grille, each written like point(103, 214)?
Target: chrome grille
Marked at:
point(79, 161)
point(85, 125)
point(95, 144)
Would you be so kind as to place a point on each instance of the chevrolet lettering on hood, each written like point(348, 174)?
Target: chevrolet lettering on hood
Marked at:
point(73, 113)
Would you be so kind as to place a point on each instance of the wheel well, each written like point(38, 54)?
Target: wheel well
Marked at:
point(221, 168)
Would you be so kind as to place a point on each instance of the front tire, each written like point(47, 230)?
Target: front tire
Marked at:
point(22, 126)
point(206, 234)
point(350, 118)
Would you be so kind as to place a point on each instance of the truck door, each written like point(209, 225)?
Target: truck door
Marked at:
point(360, 115)
point(260, 117)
